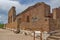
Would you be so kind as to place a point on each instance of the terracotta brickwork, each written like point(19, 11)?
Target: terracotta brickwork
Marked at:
point(36, 17)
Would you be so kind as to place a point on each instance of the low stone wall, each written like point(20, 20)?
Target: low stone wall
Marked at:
point(53, 38)
point(11, 26)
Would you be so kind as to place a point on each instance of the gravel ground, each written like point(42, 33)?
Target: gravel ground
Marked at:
point(9, 35)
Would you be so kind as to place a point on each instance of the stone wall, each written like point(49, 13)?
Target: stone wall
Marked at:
point(37, 17)
point(11, 26)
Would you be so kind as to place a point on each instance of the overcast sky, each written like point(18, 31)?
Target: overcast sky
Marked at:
point(21, 5)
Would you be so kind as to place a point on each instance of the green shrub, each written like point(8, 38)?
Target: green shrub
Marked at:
point(1, 25)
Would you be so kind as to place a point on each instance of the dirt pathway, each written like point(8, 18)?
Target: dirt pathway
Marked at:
point(9, 35)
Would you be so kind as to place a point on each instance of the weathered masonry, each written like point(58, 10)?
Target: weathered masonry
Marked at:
point(36, 17)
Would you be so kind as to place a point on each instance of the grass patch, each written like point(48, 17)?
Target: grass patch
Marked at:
point(1, 25)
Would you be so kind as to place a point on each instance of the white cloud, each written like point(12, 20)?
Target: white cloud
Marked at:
point(0, 16)
point(55, 3)
point(6, 5)
point(3, 18)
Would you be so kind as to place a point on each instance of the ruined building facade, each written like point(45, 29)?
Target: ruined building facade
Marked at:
point(36, 17)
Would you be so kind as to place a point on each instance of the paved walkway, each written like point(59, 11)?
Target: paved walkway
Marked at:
point(9, 35)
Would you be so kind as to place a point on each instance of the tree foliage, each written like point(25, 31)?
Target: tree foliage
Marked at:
point(1, 25)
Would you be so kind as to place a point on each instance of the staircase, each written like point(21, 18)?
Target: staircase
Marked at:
point(54, 35)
